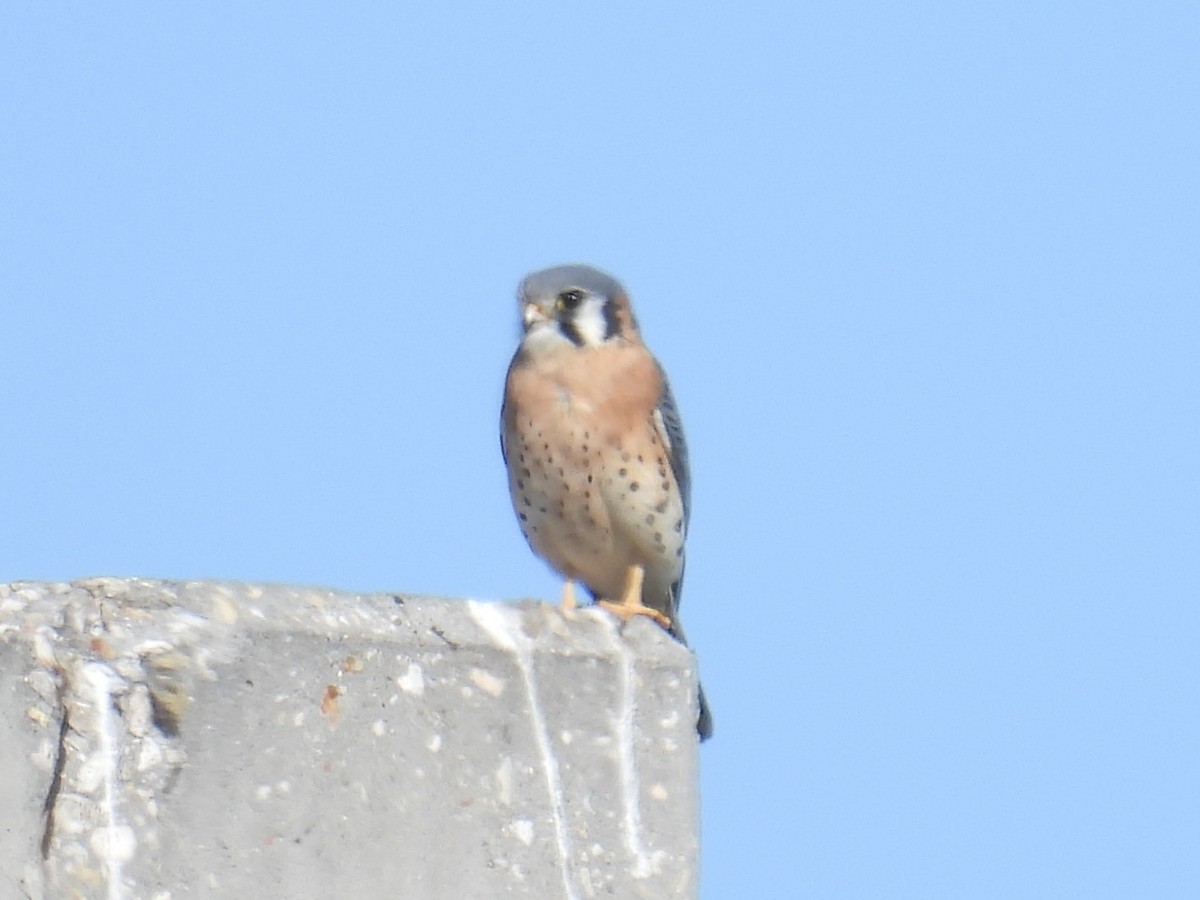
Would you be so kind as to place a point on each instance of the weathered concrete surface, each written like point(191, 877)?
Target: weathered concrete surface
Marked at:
point(171, 740)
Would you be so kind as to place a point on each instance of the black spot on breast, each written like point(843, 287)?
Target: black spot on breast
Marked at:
point(650, 518)
point(633, 485)
point(678, 526)
point(661, 507)
point(666, 485)
point(524, 518)
point(623, 472)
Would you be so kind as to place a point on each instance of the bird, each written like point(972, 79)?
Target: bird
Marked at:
point(594, 446)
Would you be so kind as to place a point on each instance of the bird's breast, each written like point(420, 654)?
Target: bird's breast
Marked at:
point(590, 481)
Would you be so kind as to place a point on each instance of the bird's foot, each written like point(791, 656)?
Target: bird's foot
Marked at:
point(631, 604)
point(569, 604)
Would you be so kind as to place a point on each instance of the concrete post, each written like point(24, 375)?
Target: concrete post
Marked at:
point(177, 740)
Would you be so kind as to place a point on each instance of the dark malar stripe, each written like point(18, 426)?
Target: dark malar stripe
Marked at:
point(570, 330)
point(611, 325)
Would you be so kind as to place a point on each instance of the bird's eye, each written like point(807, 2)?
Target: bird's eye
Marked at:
point(569, 300)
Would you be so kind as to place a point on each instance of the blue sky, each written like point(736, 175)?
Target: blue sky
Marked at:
point(925, 277)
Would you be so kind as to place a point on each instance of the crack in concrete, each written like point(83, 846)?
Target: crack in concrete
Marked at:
point(56, 777)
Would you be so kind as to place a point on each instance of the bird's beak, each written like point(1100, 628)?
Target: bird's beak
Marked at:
point(532, 314)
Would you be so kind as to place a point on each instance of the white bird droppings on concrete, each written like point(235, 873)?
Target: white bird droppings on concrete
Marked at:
point(644, 863)
point(503, 626)
point(114, 843)
point(412, 682)
point(92, 772)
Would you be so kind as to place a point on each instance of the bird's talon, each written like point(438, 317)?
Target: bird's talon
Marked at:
point(631, 604)
point(625, 611)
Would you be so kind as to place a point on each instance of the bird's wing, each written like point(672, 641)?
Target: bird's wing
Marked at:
point(670, 432)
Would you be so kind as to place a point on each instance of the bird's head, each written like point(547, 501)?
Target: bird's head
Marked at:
point(574, 305)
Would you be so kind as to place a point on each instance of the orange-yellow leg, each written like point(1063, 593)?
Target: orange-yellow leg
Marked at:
point(631, 604)
point(568, 604)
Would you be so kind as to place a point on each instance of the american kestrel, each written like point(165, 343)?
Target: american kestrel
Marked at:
point(597, 464)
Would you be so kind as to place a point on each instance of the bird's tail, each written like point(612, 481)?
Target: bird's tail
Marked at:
point(704, 722)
